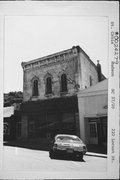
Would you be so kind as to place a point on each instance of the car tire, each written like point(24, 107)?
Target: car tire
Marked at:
point(81, 157)
point(51, 155)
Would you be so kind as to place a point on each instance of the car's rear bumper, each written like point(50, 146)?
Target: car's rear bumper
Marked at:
point(67, 152)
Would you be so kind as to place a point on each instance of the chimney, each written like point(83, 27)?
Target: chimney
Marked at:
point(99, 71)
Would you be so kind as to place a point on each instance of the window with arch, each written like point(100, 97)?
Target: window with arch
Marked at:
point(48, 85)
point(90, 81)
point(63, 83)
point(35, 87)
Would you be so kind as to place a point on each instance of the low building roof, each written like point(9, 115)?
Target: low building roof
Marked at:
point(99, 87)
point(8, 111)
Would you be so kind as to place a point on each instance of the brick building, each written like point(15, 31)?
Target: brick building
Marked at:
point(50, 88)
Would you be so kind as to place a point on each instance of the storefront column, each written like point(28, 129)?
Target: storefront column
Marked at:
point(24, 126)
point(77, 124)
point(81, 118)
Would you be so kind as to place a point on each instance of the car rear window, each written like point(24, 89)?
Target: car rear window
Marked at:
point(66, 138)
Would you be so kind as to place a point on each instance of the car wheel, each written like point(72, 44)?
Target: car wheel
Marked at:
point(81, 157)
point(51, 155)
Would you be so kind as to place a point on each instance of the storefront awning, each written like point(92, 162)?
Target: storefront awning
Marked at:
point(51, 105)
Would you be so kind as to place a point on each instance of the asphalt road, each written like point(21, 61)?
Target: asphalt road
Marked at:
point(21, 159)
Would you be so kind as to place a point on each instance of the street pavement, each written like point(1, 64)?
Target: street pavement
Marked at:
point(21, 159)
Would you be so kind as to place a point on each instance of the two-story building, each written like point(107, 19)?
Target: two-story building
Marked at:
point(50, 87)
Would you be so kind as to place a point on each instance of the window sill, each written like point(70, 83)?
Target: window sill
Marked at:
point(63, 93)
point(33, 98)
point(49, 95)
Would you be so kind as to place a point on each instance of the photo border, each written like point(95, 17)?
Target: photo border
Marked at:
point(70, 8)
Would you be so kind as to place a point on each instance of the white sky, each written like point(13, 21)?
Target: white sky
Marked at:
point(31, 37)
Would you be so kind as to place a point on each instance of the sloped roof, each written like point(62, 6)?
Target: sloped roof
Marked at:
point(101, 86)
point(8, 111)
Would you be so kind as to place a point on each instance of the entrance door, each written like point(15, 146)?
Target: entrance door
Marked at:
point(102, 131)
point(93, 132)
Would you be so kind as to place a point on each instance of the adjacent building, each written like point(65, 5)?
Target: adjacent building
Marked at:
point(8, 113)
point(51, 85)
point(12, 122)
point(93, 110)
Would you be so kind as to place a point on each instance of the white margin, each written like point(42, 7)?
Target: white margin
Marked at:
point(106, 8)
point(113, 96)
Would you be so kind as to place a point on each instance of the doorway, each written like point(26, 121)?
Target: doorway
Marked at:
point(98, 130)
point(93, 132)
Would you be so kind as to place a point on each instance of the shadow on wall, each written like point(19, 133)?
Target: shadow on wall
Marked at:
point(101, 149)
point(36, 144)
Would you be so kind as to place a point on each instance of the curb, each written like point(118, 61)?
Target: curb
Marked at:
point(96, 154)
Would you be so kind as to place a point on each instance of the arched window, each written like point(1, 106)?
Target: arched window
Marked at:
point(90, 81)
point(35, 87)
point(48, 85)
point(63, 83)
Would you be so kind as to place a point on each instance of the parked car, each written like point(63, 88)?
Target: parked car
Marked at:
point(69, 145)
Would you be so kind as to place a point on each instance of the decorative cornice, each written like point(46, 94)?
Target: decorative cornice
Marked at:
point(62, 56)
point(59, 57)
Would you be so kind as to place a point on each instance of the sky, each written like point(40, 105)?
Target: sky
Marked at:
point(32, 37)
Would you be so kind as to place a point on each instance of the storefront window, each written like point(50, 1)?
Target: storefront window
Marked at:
point(31, 129)
point(18, 129)
point(104, 129)
point(93, 129)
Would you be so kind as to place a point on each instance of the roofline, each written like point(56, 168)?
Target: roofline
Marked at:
point(59, 53)
point(91, 60)
point(93, 93)
point(86, 92)
point(48, 56)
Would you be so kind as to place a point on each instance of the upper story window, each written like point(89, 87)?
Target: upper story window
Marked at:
point(48, 85)
point(35, 87)
point(90, 81)
point(63, 83)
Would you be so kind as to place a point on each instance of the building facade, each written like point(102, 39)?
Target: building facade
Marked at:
point(93, 110)
point(12, 122)
point(50, 88)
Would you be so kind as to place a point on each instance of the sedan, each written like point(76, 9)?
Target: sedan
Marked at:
point(69, 145)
